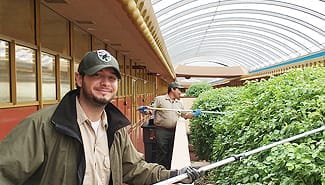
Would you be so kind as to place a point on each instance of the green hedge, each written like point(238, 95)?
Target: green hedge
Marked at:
point(202, 131)
point(261, 113)
point(197, 88)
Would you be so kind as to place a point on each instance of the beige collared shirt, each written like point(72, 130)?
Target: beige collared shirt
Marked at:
point(96, 148)
point(167, 119)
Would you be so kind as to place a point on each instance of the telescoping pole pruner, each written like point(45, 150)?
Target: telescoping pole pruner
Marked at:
point(180, 110)
point(203, 169)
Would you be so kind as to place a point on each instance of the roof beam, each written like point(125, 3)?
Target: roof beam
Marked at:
point(209, 72)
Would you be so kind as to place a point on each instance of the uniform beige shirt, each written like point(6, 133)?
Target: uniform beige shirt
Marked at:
point(96, 148)
point(167, 118)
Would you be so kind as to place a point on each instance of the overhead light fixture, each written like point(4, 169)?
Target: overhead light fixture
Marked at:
point(124, 51)
point(57, 1)
point(153, 74)
point(85, 22)
point(138, 67)
point(116, 44)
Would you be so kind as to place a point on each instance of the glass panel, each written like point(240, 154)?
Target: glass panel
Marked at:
point(4, 72)
point(64, 76)
point(126, 85)
point(82, 42)
point(120, 59)
point(128, 79)
point(54, 32)
point(48, 76)
point(17, 19)
point(26, 74)
point(76, 65)
point(119, 90)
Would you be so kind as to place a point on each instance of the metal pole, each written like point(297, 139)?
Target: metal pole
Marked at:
point(180, 110)
point(240, 156)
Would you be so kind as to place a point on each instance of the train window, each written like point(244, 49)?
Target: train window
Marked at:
point(54, 32)
point(81, 42)
point(48, 76)
point(75, 66)
point(4, 72)
point(17, 19)
point(25, 74)
point(64, 76)
point(121, 87)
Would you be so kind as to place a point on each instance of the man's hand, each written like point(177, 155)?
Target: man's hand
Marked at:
point(192, 174)
point(143, 109)
point(196, 112)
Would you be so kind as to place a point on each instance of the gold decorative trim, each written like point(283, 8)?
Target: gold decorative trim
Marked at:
point(135, 14)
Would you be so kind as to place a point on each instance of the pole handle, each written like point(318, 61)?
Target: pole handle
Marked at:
point(180, 110)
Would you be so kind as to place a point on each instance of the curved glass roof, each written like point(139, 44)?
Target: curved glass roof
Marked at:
point(253, 34)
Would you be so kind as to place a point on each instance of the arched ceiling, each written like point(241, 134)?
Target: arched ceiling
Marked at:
point(253, 34)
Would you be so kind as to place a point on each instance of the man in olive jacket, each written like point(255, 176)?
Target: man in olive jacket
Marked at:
point(83, 140)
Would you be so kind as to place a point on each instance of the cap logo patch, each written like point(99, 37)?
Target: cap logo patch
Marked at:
point(104, 55)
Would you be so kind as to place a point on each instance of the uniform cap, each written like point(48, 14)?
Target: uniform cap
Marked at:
point(175, 85)
point(95, 61)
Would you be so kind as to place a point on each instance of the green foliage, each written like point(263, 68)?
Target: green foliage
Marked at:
point(202, 132)
point(265, 112)
point(197, 88)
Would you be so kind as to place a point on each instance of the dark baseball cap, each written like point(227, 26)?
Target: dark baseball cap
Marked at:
point(97, 60)
point(175, 85)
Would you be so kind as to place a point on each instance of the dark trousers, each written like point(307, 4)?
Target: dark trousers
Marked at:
point(165, 144)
